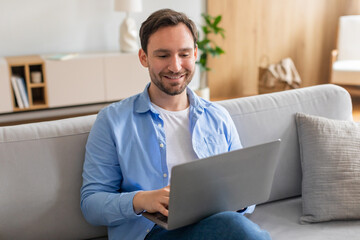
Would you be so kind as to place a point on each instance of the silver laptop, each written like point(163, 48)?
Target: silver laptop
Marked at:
point(224, 182)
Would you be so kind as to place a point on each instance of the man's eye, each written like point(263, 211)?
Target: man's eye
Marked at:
point(185, 54)
point(162, 56)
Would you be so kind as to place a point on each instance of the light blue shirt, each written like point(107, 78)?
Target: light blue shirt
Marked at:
point(126, 153)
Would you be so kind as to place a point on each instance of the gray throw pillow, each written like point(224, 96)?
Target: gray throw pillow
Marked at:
point(330, 160)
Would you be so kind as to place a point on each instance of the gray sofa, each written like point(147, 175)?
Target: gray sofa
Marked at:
point(41, 165)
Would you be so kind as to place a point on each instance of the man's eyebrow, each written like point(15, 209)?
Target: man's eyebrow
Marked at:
point(157, 51)
point(161, 51)
point(186, 49)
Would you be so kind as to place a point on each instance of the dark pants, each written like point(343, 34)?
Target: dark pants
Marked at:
point(225, 225)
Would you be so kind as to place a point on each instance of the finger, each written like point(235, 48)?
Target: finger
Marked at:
point(166, 191)
point(164, 211)
point(164, 201)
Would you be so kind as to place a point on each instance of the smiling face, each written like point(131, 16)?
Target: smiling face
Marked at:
point(170, 59)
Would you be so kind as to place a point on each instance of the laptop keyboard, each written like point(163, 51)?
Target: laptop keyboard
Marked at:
point(161, 217)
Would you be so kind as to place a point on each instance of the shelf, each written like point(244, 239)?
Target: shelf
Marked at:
point(24, 60)
point(28, 82)
point(37, 85)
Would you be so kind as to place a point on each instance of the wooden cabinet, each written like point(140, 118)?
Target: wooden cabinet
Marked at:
point(30, 71)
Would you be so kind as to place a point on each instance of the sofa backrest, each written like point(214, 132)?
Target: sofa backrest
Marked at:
point(269, 117)
point(40, 180)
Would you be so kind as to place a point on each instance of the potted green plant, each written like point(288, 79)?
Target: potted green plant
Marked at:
point(208, 47)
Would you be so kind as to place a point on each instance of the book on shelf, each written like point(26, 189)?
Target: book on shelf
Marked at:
point(23, 91)
point(17, 92)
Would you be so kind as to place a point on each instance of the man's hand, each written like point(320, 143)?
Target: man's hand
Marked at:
point(152, 201)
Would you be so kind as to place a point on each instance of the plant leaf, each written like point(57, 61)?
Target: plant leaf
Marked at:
point(206, 30)
point(219, 50)
point(207, 46)
point(217, 20)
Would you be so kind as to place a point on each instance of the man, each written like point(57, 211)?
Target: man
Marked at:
point(135, 142)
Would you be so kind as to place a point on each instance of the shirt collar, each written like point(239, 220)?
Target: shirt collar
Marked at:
point(143, 104)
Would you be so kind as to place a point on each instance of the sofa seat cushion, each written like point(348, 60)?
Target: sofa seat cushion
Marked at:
point(281, 220)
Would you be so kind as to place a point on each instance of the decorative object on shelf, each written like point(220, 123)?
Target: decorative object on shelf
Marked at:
point(208, 47)
point(278, 76)
point(128, 32)
point(36, 77)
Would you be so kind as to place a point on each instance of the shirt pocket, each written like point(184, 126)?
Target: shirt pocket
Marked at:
point(215, 144)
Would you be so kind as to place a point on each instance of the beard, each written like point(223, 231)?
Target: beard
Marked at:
point(171, 88)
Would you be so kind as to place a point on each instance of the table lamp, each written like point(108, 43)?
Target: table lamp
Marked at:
point(128, 32)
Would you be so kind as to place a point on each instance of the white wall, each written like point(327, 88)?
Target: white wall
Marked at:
point(60, 26)
point(54, 26)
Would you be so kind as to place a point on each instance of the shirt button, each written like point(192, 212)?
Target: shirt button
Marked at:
point(161, 145)
point(147, 230)
point(159, 125)
point(165, 175)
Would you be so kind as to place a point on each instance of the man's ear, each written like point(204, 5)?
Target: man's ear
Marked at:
point(143, 58)
point(196, 52)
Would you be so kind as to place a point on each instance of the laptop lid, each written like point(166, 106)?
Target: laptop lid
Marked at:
point(224, 182)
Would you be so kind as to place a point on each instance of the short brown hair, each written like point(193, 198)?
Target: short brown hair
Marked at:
point(164, 18)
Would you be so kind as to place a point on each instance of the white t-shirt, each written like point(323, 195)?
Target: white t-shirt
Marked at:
point(178, 138)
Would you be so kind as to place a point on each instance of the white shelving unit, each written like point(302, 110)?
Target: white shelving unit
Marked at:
point(92, 78)
point(75, 81)
point(83, 79)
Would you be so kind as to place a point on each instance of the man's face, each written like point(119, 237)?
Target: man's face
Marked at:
point(171, 58)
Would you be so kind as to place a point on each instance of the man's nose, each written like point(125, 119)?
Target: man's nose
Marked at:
point(175, 64)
